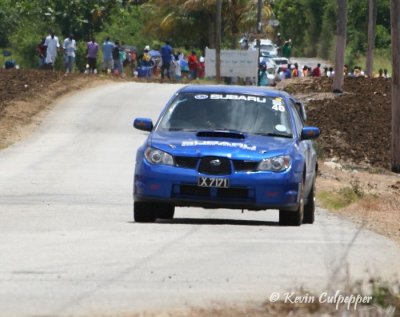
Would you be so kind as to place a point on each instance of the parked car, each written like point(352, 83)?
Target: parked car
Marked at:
point(227, 147)
point(267, 47)
point(280, 61)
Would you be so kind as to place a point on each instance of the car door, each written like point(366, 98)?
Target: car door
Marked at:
point(305, 146)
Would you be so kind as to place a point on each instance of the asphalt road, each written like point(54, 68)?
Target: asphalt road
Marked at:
point(69, 247)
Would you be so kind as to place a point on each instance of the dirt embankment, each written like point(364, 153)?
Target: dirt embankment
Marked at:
point(356, 125)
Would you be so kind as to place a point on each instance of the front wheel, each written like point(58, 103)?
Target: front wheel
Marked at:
point(309, 207)
point(144, 211)
point(293, 218)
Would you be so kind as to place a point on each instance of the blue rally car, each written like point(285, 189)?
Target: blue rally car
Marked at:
point(227, 147)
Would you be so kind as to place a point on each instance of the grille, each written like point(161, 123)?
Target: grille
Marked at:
point(186, 162)
point(219, 193)
point(238, 193)
point(245, 166)
point(194, 190)
point(213, 165)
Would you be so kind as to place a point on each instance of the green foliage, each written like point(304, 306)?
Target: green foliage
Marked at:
point(382, 37)
point(81, 59)
point(8, 21)
point(311, 24)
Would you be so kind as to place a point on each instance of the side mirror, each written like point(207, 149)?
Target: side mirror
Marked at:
point(144, 124)
point(310, 133)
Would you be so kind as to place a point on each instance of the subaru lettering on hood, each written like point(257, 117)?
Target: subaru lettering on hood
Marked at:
point(227, 147)
point(220, 143)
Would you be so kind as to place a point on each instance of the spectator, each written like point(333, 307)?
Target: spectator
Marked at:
point(177, 64)
point(116, 59)
point(262, 74)
point(294, 71)
point(385, 73)
point(146, 57)
point(132, 59)
point(202, 67)
point(69, 47)
point(146, 63)
point(166, 57)
point(305, 71)
point(184, 65)
point(52, 46)
point(92, 50)
point(281, 73)
point(108, 63)
point(317, 71)
point(193, 65)
point(287, 49)
point(41, 52)
point(278, 42)
point(288, 71)
point(330, 72)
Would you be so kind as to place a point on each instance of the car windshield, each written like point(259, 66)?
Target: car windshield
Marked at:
point(266, 47)
point(228, 112)
point(280, 61)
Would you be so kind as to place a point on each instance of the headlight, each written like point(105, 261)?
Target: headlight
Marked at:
point(155, 156)
point(275, 164)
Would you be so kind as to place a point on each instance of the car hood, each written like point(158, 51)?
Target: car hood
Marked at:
point(250, 147)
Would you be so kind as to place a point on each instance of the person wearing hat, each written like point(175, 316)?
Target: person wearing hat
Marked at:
point(146, 58)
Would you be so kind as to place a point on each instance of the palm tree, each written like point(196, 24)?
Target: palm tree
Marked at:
point(239, 16)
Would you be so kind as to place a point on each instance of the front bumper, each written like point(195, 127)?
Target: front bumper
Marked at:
point(247, 190)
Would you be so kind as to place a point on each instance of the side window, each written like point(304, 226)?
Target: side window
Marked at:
point(297, 120)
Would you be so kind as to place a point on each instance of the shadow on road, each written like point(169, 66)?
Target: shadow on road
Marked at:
point(218, 222)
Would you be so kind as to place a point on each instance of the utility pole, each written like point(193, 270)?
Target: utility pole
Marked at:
point(372, 14)
point(395, 33)
point(218, 41)
point(341, 26)
point(259, 8)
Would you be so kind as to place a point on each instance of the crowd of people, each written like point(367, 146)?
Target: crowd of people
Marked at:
point(122, 60)
point(294, 71)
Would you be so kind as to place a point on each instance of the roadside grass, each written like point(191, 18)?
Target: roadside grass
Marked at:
point(382, 61)
point(343, 197)
point(373, 298)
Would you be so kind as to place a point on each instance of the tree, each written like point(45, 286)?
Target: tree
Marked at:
point(218, 40)
point(340, 45)
point(372, 14)
point(395, 28)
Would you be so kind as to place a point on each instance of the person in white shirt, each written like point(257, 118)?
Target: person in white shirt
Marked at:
point(69, 47)
point(52, 44)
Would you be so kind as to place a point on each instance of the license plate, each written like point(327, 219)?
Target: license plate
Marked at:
point(217, 182)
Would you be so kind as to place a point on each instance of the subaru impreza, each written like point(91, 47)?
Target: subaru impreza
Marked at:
point(235, 147)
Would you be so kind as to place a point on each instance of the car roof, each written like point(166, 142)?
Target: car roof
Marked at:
point(231, 89)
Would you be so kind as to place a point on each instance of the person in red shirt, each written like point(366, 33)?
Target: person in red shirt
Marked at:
point(317, 71)
point(193, 65)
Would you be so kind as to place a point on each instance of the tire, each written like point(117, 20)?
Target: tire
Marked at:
point(309, 207)
point(165, 211)
point(293, 218)
point(144, 211)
